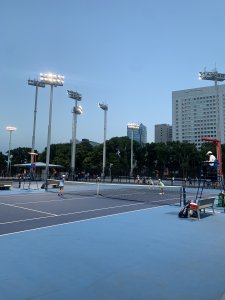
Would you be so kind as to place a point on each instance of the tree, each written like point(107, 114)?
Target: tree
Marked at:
point(187, 159)
point(20, 155)
point(60, 154)
point(161, 158)
point(3, 159)
point(118, 155)
point(155, 159)
point(150, 159)
point(83, 150)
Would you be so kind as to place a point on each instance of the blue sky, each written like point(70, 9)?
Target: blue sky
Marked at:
point(129, 54)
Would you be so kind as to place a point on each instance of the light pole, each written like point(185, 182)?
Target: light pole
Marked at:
point(77, 110)
point(37, 84)
point(215, 76)
point(132, 127)
point(10, 129)
point(54, 81)
point(104, 107)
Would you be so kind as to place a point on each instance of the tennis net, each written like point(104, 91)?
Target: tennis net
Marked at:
point(120, 191)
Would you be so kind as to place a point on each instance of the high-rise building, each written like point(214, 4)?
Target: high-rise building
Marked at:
point(139, 132)
point(198, 113)
point(163, 133)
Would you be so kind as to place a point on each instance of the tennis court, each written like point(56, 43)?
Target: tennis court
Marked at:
point(96, 247)
point(28, 210)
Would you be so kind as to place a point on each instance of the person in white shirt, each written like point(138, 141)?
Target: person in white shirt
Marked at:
point(161, 187)
point(61, 186)
point(212, 158)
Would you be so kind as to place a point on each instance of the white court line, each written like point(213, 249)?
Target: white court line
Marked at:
point(165, 199)
point(25, 208)
point(19, 195)
point(58, 199)
point(79, 221)
point(71, 213)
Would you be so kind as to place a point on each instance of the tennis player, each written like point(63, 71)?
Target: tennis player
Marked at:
point(161, 186)
point(61, 186)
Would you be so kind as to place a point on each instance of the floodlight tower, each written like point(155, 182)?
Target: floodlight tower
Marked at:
point(132, 126)
point(104, 107)
point(37, 84)
point(77, 110)
point(54, 81)
point(214, 76)
point(10, 129)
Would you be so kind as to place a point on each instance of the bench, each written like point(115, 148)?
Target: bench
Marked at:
point(5, 185)
point(201, 204)
point(53, 183)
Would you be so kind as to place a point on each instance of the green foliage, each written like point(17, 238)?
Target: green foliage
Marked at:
point(60, 154)
point(118, 155)
point(154, 159)
point(3, 163)
point(20, 155)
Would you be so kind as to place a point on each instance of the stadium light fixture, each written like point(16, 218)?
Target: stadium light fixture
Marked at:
point(104, 107)
point(10, 129)
point(54, 81)
point(214, 76)
point(77, 110)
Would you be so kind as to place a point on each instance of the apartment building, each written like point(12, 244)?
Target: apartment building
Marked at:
point(198, 113)
point(163, 133)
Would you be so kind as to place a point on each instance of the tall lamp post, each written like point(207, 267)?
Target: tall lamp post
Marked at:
point(10, 129)
point(54, 81)
point(37, 84)
point(77, 110)
point(132, 127)
point(104, 107)
point(215, 76)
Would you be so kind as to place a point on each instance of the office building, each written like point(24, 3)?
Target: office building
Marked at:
point(139, 132)
point(163, 133)
point(198, 113)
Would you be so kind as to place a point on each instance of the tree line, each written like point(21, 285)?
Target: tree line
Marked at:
point(172, 159)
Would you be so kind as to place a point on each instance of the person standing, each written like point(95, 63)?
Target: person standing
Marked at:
point(61, 186)
point(161, 187)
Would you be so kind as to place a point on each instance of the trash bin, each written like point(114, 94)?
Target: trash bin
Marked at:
point(221, 200)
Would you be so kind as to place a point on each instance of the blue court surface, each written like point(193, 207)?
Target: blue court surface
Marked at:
point(147, 253)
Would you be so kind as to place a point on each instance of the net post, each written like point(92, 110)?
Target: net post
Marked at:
point(184, 195)
point(181, 196)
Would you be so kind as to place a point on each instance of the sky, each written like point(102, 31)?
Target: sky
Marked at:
point(128, 54)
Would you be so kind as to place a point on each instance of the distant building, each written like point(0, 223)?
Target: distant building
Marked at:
point(195, 114)
point(163, 133)
point(139, 132)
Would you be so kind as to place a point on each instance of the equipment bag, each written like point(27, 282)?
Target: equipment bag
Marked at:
point(183, 213)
